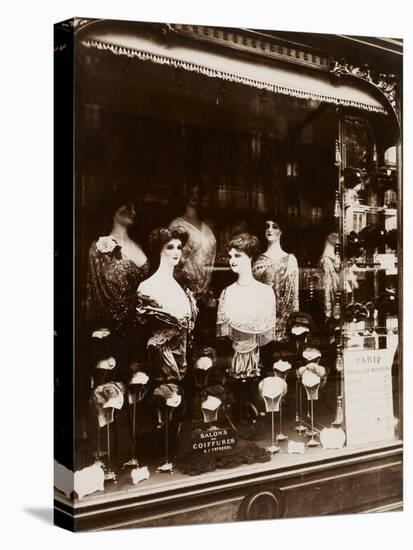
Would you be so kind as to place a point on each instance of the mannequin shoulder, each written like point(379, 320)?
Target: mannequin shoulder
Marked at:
point(227, 291)
point(292, 261)
point(148, 286)
point(264, 289)
point(176, 222)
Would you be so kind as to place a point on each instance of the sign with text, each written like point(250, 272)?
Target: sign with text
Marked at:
point(213, 440)
point(368, 396)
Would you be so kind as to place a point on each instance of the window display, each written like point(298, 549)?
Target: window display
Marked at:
point(221, 360)
point(237, 270)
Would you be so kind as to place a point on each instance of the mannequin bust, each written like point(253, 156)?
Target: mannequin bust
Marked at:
point(200, 250)
point(116, 267)
point(168, 309)
point(162, 286)
point(246, 309)
point(330, 264)
point(277, 268)
point(123, 218)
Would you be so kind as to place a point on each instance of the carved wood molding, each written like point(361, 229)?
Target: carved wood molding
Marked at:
point(387, 84)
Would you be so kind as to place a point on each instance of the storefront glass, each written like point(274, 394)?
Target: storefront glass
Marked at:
point(237, 274)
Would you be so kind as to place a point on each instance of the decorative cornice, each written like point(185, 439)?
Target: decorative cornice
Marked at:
point(387, 84)
point(264, 47)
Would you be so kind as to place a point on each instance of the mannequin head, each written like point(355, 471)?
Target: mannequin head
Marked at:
point(193, 195)
point(272, 231)
point(166, 245)
point(332, 238)
point(125, 214)
point(243, 249)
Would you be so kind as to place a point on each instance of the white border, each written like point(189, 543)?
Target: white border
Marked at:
point(26, 267)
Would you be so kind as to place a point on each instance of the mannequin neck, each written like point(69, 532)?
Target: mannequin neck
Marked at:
point(274, 250)
point(119, 233)
point(191, 214)
point(246, 277)
point(165, 269)
point(329, 250)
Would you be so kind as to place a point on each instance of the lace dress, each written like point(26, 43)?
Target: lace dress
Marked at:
point(282, 275)
point(246, 315)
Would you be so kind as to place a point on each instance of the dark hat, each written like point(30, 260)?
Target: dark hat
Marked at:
point(299, 318)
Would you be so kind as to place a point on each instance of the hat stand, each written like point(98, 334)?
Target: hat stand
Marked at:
point(280, 435)
point(137, 395)
point(110, 475)
point(99, 453)
point(312, 441)
point(299, 426)
point(311, 396)
point(339, 418)
point(167, 467)
point(273, 448)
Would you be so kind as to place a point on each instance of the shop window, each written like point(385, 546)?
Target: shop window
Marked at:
point(270, 296)
point(316, 214)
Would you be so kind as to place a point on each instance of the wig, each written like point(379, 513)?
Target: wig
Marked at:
point(160, 236)
point(244, 242)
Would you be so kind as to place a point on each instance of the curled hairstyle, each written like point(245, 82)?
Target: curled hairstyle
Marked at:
point(162, 235)
point(244, 242)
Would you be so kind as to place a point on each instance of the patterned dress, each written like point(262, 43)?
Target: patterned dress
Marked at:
point(112, 281)
point(282, 275)
point(198, 255)
point(330, 265)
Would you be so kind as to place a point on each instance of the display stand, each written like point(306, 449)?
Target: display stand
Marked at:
point(136, 394)
point(311, 381)
point(272, 389)
point(281, 369)
point(167, 466)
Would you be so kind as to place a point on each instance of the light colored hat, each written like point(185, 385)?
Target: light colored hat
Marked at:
point(281, 366)
point(139, 378)
point(311, 354)
point(211, 403)
point(174, 400)
point(204, 363)
point(271, 389)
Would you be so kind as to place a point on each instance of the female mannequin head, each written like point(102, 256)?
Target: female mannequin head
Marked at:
point(125, 214)
point(118, 211)
point(272, 231)
point(166, 246)
point(332, 238)
point(242, 249)
point(193, 195)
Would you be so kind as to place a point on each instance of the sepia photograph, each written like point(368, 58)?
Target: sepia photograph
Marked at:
point(228, 274)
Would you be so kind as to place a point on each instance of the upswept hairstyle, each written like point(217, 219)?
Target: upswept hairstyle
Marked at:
point(162, 235)
point(244, 242)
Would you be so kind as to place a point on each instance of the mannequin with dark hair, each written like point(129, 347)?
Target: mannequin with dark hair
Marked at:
point(166, 307)
point(277, 268)
point(116, 266)
point(200, 250)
